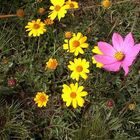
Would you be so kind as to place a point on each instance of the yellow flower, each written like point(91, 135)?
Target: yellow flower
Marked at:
point(41, 99)
point(79, 68)
point(48, 21)
point(96, 51)
point(76, 44)
point(73, 95)
point(35, 28)
point(52, 64)
point(58, 9)
point(72, 4)
point(106, 3)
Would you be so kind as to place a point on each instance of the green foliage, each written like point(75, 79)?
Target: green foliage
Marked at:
point(98, 124)
point(11, 123)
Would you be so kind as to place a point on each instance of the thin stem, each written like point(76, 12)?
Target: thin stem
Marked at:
point(7, 16)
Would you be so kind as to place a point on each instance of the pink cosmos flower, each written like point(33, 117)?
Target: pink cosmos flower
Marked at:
point(121, 55)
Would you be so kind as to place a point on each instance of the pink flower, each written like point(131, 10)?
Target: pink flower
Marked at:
point(121, 54)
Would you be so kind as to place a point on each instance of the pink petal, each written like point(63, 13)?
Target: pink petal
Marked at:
point(126, 69)
point(131, 55)
point(135, 50)
point(113, 67)
point(105, 59)
point(129, 41)
point(106, 48)
point(117, 42)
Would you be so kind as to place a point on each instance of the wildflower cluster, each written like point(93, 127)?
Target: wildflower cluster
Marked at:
point(73, 72)
point(75, 44)
point(58, 9)
point(121, 54)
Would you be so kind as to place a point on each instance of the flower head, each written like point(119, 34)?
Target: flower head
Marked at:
point(41, 99)
point(68, 35)
point(35, 28)
point(12, 82)
point(79, 68)
point(132, 106)
point(106, 3)
point(41, 11)
point(121, 54)
point(110, 103)
point(96, 51)
point(51, 64)
point(20, 13)
point(76, 44)
point(59, 9)
point(72, 4)
point(73, 95)
point(48, 21)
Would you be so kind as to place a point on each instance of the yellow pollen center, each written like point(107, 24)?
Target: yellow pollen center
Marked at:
point(71, 5)
point(57, 8)
point(42, 98)
point(73, 95)
point(119, 56)
point(76, 43)
point(79, 68)
point(36, 26)
point(53, 64)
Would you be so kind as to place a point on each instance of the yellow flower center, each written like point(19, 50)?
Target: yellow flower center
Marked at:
point(42, 98)
point(79, 68)
point(73, 95)
point(76, 43)
point(119, 56)
point(57, 8)
point(71, 5)
point(36, 26)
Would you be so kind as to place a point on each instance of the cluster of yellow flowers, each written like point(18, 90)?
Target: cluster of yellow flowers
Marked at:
point(58, 9)
point(73, 93)
point(75, 44)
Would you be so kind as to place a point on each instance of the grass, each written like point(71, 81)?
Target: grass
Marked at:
point(23, 58)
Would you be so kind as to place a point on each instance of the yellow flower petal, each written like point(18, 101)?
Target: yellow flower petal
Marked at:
point(80, 101)
point(74, 103)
